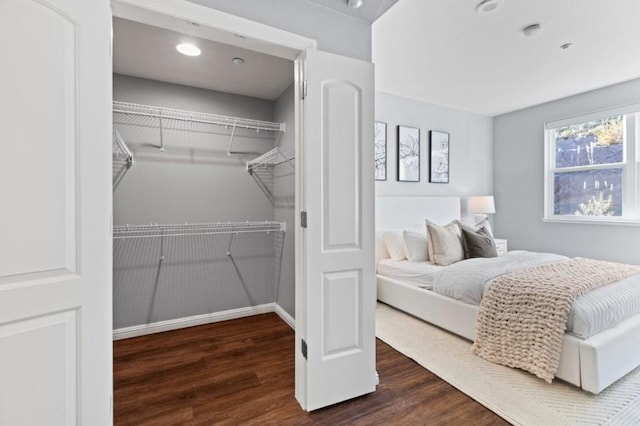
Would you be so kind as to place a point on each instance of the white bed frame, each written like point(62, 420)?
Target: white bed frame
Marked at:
point(591, 364)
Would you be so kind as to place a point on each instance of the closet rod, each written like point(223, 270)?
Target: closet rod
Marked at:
point(195, 117)
point(156, 230)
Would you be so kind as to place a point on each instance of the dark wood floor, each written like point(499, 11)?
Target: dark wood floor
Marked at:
point(242, 372)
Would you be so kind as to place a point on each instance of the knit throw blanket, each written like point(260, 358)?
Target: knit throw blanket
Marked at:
point(524, 313)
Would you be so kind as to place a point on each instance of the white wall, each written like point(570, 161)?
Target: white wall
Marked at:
point(519, 182)
point(471, 148)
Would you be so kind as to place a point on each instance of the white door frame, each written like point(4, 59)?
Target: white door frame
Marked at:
point(236, 31)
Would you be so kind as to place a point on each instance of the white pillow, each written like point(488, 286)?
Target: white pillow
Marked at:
point(416, 246)
point(445, 243)
point(395, 244)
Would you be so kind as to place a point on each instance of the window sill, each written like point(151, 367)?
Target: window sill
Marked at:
point(592, 221)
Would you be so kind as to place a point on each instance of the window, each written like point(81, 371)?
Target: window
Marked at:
point(592, 167)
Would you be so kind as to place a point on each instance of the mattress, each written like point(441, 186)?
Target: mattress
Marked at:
point(419, 274)
point(605, 307)
point(591, 313)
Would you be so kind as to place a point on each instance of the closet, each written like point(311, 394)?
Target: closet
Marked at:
point(203, 182)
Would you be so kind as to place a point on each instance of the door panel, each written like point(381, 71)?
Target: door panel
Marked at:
point(41, 237)
point(55, 207)
point(341, 164)
point(341, 297)
point(337, 312)
point(33, 349)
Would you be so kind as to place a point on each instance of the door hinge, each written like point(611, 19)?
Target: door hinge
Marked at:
point(303, 348)
point(303, 219)
point(304, 89)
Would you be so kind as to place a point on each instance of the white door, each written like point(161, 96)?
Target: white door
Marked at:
point(336, 307)
point(55, 207)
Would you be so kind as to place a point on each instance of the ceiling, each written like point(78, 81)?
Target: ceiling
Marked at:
point(369, 11)
point(445, 53)
point(146, 51)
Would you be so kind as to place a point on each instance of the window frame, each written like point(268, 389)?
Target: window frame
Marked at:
point(629, 165)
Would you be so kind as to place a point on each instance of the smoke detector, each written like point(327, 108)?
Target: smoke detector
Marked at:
point(488, 6)
point(532, 30)
point(354, 4)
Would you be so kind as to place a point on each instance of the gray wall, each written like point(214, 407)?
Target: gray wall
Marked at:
point(335, 32)
point(192, 181)
point(285, 202)
point(519, 182)
point(471, 148)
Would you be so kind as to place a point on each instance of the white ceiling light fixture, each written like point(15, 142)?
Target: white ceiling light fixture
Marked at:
point(488, 6)
point(188, 49)
point(238, 61)
point(532, 30)
point(355, 4)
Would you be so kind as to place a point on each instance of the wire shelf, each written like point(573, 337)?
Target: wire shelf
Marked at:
point(177, 230)
point(263, 170)
point(122, 158)
point(125, 113)
point(195, 117)
point(269, 159)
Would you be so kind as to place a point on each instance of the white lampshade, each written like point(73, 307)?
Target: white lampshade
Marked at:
point(482, 204)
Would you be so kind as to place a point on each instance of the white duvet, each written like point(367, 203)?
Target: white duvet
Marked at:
point(591, 313)
point(417, 273)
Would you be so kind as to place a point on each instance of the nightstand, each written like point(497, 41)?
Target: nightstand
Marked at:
point(501, 246)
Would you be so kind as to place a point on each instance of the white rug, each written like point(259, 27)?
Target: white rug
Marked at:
point(518, 397)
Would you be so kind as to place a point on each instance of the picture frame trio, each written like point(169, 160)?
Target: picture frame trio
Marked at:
point(408, 154)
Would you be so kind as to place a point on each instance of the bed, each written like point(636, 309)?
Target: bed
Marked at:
point(591, 363)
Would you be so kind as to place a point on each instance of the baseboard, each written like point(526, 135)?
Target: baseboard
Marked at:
point(286, 317)
point(175, 324)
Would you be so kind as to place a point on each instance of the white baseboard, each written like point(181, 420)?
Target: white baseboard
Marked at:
point(175, 324)
point(285, 316)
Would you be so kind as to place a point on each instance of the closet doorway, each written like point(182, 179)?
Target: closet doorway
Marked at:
point(203, 181)
point(308, 180)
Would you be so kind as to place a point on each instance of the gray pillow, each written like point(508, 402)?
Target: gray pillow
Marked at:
point(477, 243)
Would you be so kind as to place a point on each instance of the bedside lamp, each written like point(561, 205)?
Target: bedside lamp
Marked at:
point(481, 206)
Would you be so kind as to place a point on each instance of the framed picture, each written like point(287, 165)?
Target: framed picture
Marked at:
point(381, 150)
point(439, 157)
point(408, 154)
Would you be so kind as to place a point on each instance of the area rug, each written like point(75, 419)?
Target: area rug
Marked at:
point(518, 397)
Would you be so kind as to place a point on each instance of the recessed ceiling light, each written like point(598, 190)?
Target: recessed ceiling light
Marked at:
point(354, 4)
point(238, 61)
point(566, 46)
point(531, 30)
point(188, 49)
point(488, 6)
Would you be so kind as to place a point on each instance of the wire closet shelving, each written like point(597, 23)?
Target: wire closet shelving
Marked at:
point(122, 158)
point(155, 262)
point(263, 169)
point(176, 119)
point(178, 230)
